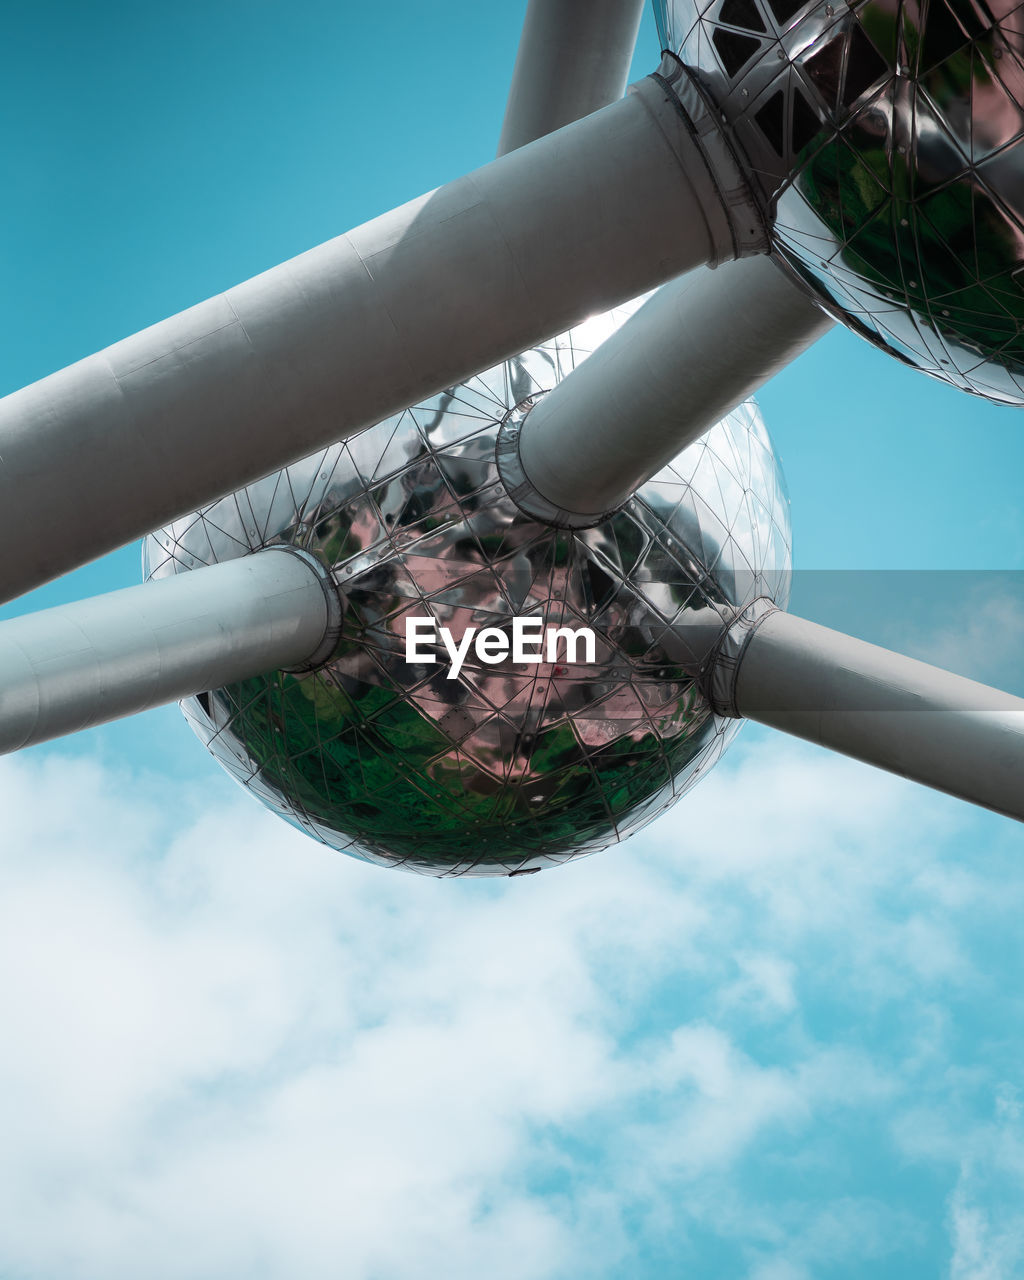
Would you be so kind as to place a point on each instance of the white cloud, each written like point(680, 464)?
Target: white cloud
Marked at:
point(764, 984)
point(987, 1241)
point(228, 1052)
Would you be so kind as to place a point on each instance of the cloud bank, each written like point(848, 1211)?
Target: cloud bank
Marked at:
point(776, 1035)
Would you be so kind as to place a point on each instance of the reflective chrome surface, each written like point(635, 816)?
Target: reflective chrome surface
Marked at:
point(887, 133)
point(507, 768)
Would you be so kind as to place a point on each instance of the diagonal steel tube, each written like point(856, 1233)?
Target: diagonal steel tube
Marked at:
point(339, 337)
point(573, 59)
point(96, 660)
point(861, 700)
point(693, 352)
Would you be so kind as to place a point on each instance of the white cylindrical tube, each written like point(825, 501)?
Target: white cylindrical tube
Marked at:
point(891, 711)
point(82, 664)
point(339, 337)
point(573, 59)
point(692, 353)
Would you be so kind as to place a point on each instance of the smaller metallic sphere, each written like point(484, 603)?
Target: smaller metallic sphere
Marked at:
point(886, 137)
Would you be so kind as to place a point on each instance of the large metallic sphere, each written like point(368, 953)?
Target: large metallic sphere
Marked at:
point(887, 132)
point(507, 768)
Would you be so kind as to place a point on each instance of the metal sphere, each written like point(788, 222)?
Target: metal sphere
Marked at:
point(507, 768)
point(886, 135)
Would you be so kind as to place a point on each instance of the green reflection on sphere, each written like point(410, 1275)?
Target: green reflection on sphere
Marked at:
point(509, 767)
point(885, 137)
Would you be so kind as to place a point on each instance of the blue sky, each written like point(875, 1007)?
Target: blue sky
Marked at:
point(777, 1035)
